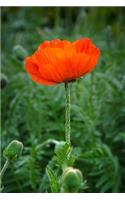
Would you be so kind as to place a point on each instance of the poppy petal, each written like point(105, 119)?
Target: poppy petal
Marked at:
point(84, 45)
point(33, 70)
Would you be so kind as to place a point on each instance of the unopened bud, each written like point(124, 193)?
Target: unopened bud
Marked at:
point(13, 150)
point(72, 179)
point(19, 52)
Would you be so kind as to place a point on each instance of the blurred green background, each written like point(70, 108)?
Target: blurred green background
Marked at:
point(33, 113)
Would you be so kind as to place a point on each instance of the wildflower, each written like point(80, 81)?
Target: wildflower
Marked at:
point(60, 61)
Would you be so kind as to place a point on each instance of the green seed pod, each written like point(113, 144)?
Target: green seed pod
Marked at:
point(13, 150)
point(71, 179)
point(59, 146)
point(19, 52)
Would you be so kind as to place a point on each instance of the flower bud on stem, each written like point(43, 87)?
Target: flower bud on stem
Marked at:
point(11, 153)
point(71, 180)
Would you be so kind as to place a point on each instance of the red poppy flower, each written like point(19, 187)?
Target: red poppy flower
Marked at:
point(60, 61)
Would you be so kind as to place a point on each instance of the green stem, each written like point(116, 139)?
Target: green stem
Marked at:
point(67, 116)
point(47, 142)
point(4, 168)
point(3, 171)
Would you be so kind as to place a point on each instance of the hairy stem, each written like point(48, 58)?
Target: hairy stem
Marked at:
point(49, 141)
point(4, 168)
point(3, 171)
point(67, 115)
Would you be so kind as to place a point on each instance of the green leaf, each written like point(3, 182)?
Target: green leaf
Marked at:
point(64, 156)
point(104, 178)
point(53, 180)
point(107, 186)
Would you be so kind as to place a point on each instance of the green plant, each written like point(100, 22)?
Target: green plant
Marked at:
point(97, 100)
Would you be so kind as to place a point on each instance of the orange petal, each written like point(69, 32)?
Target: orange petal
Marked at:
point(83, 63)
point(54, 63)
point(33, 70)
point(46, 61)
point(42, 81)
point(44, 44)
point(84, 45)
point(54, 43)
point(80, 63)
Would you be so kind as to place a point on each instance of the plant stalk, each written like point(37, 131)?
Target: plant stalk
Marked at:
point(3, 171)
point(67, 113)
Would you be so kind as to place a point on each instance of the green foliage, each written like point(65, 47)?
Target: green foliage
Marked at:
point(64, 156)
point(34, 114)
point(53, 180)
point(104, 168)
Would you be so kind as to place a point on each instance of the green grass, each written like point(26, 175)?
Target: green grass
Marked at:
point(34, 113)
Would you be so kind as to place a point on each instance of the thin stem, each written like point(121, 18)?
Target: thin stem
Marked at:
point(67, 116)
point(4, 168)
point(3, 171)
point(47, 142)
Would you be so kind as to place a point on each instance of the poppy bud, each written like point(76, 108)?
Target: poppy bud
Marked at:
point(13, 150)
point(19, 52)
point(71, 179)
